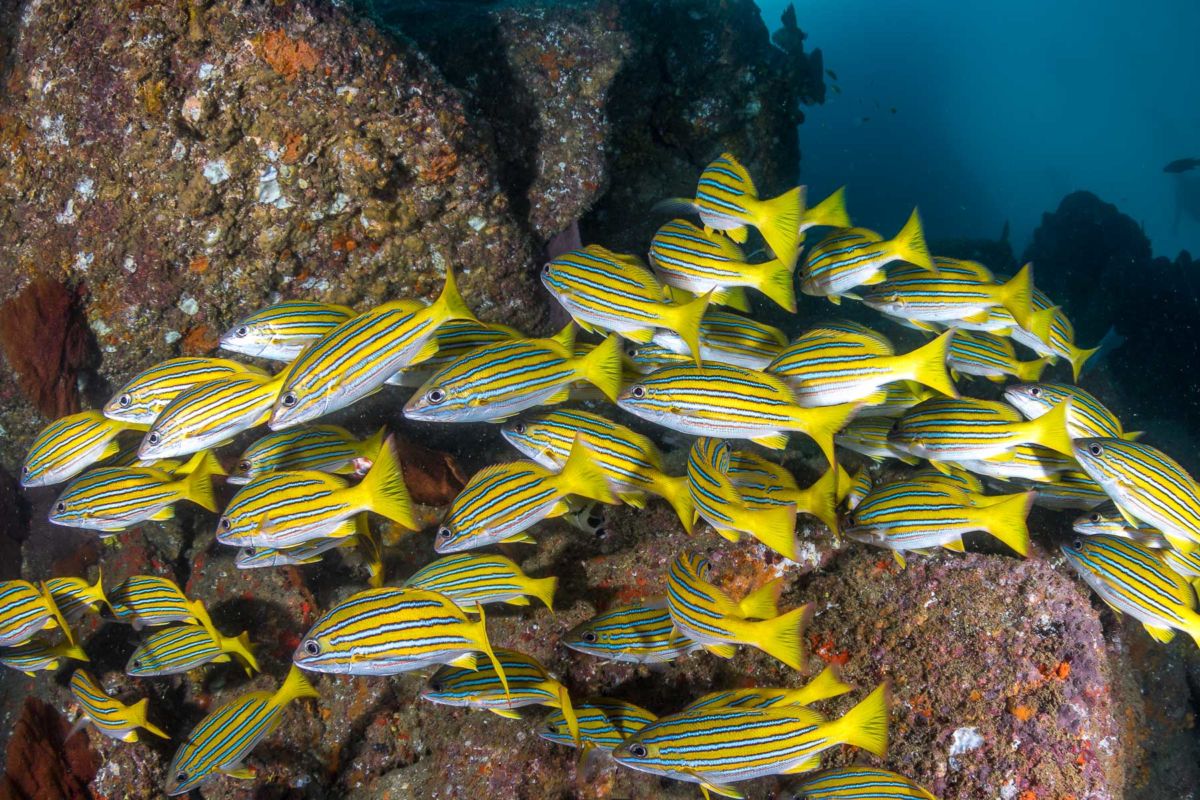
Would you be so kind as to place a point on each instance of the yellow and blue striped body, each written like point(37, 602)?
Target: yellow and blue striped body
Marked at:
point(987, 355)
point(1108, 521)
point(642, 633)
point(529, 684)
point(1088, 418)
point(646, 358)
point(226, 735)
point(1030, 462)
point(387, 631)
point(471, 579)
point(325, 448)
point(1134, 579)
point(949, 429)
point(454, 339)
point(1069, 490)
point(764, 484)
point(859, 782)
point(76, 597)
point(280, 332)
point(142, 399)
point(147, 600)
point(26, 609)
point(844, 259)
point(727, 339)
point(68, 446)
point(115, 498)
point(868, 436)
point(174, 650)
point(728, 402)
point(604, 722)
point(824, 686)
point(310, 552)
point(1147, 485)
point(945, 298)
point(210, 414)
point(110, 716)
point(37, 656)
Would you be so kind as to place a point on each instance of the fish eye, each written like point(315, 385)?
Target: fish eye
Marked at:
point(589, 636)
point(1095, 449)
point(60, 507)
point(546, 268)
point(289, 400)
point(519, 428)
point(435, 396)
point(242, 331)
point(312, 647)
point(153, 437)
point(137, 663)
point(181, 777)
point(250, 551)
point(124, 400)
point(24, 469)
point(244, 466)
point(637, 750)
point(444, 532)
point(224, 524)
point(1035, 391)
point(435, 686)
point(638, 391)
point(1077, 544)
point(1094, 517)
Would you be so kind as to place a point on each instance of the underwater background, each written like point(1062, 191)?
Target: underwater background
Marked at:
point(166, 169)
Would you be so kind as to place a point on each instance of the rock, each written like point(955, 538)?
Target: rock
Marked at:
point(39, 764)
point(187, 163)
point(14, 526)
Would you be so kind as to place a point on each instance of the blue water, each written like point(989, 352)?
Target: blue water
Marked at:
point(1002, 109)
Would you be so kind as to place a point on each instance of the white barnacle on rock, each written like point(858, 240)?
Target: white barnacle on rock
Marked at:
point(129, 265)
point(269, 191)
point(205, 71)
point(477, 223)
point(84, 260)
point(188, 305)
point(216, 171)
point(67, 216)
point(85, 188)
point(171, 337)
point(963, 740)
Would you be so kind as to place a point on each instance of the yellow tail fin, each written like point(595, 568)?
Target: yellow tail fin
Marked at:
point(602, 366)
point(240, 647)
point(821, 499)
point(95, 592)
point(1078, 358)
point(909, 244)
point(783, 637)
point(543, 589)
point(1031, 371)
point(676, 492)
point(580, 476)
point(826, 685)
point(197, 486)
point(383, 489)
point(568, 710)
point(732, 296)
point(823, 422)
point(774, 279)
point(1050, 429)
point(370, 447)
point(1017, 297)
point(294, 687)
point(775, 527)
point(1040, 323)
point(450, 304)
point(762, 603)
point(685, 320)
point(778, 220)
point(1004, 518)
point(485, 645)
point(865, 725)
point(137, 719)
point(830, 212)
point(72, 651)
point(927, 365)
point(53, 610)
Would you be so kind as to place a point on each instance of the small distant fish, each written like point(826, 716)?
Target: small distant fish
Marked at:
point(281, 332)
point(730, 339)
point(147, 600)
point(917, 515)
point(527, 683)
point(143, 398)
point(716, 747)
point(76, 597)
point(706, 614)
point(831, 74)
point(470, 579)
point(945, 429)
point(826, 371)
point(827, 684)
point(642, 633)
point(1088, 417)
point(1133, 579)
point(859, 782)
point(689, 258)
point(727, 402)
point(606, 291)
point(763, 484)
point(1069, 490)
point(35, 656)
point(990, 356)
point(223, 739)
point(852, 257)
point(181, 648)
point(26, 609)
point(387, 631)
point(1182, 165)
point(356, 358)
point(500, 502)
point(497, 381)
point(110, 716)
point(603, 722)
point(69, 445)
point(720, 504)
point(1147, 485)
point(285, 509)
point(111, 499)
point(325, 448)
point(631, 462)
point(1108, 521)
point(210, 414)
point(860, 486)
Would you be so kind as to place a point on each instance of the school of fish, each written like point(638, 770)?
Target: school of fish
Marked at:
point(668, 342)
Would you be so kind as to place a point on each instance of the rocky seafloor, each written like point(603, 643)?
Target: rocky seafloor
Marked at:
point(166, 166)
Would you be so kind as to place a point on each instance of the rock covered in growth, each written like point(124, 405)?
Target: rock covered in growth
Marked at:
point(188, 161)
